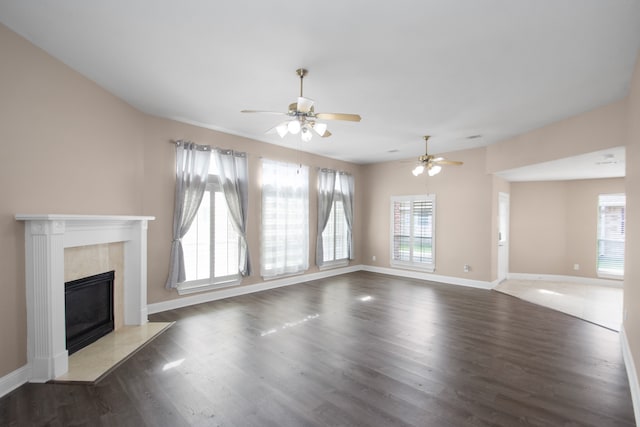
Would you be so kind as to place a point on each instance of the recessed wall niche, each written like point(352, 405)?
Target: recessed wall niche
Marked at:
point(83, 261)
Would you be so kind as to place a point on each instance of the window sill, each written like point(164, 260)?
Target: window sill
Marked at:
point(603, 275)
point(334, 264)
point(412, 266)
point(284, 276)
point(203, 287)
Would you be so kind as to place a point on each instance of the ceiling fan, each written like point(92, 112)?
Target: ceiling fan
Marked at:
point(432, 164)
point(302, 117)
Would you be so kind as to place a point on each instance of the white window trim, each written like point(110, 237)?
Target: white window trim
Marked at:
point(339, 262)
point(210, 283)
point(328, 265)
point(601, 273)
point(407, 265)
point(203, 285)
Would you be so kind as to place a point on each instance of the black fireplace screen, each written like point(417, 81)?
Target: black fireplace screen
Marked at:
point(88, 309)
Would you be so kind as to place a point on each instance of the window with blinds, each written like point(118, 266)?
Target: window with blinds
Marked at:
point(611, 229)
point(284, 247)
point(412, 231)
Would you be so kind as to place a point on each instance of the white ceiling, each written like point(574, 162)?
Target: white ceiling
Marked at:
point(449, 68)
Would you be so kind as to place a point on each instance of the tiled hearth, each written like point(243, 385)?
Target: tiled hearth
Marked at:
point(46, 238)
point(93, 362)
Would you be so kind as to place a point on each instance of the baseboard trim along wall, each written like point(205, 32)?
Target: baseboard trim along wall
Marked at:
point(634, 386)
point(568, 279)
point(429, 276)
point(14, 379)
point(293, 280)
point(248, 289)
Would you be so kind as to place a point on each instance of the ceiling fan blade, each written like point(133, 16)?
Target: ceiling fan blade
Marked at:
point(304, 104)
point(339, 116)
point(448, 162)
point(264, 112)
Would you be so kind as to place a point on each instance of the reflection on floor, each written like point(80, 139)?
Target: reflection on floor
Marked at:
point(93, 362)
point(601, 305)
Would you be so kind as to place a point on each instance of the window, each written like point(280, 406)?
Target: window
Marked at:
point(412, 231)
point(335, 234)
point(211, 246)
point(285, 219)
point(611, 225)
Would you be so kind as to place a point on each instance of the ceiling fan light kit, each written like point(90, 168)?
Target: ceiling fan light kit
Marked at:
point(303, 118)
point(432, 164)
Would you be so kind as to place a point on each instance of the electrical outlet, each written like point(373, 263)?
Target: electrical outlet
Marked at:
point(373, 258)
point(576, 267)
point(466, 268)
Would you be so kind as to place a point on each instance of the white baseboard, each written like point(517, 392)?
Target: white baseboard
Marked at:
point(293, 280)
point(631, 373)
point(248, 289)
point(429, 276)
point(568, 279)
point(14, 379)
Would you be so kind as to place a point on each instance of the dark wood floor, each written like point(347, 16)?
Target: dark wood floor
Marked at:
point(359, 349)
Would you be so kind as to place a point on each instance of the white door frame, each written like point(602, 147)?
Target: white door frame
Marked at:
point(503, 236)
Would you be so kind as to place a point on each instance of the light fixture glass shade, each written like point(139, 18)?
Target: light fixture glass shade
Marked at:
point(418, 170)
point(306, 134)
point(294, 126)
point(434, 170)
point(320, 128)
point(282, 129)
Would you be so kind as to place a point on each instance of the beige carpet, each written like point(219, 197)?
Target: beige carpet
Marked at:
point(601, 305)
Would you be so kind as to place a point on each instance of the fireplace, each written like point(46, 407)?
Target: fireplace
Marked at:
point(88, 310)
point(46, 238)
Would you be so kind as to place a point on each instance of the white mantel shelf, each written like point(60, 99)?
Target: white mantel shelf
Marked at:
point(46, 237)
point(67, 217)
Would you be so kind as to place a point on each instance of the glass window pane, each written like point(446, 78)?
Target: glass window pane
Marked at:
point(226, 244)
point(611, 234)
point(196, 243)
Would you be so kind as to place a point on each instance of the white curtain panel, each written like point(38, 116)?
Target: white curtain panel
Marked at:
point(347, 190)
point(285, 219)
point(192, 171)
point(233, 175)
point(326, 192)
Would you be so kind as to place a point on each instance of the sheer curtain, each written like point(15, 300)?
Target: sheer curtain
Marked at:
point(326, 190)
point(233, 174)
point(347, 190)
point(285, 219)
point(192, 172)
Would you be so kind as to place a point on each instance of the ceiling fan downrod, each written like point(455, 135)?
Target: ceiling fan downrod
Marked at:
point(301, 72)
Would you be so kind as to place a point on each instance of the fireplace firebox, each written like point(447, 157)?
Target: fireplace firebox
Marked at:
point(88, 310)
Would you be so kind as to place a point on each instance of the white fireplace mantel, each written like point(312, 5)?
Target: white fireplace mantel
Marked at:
point(46, 237)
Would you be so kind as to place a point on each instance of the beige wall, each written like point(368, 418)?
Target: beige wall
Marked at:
point(463, 212)
point(554, 224)
point(67, 146)
point(595, 130)
point(632, 248)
